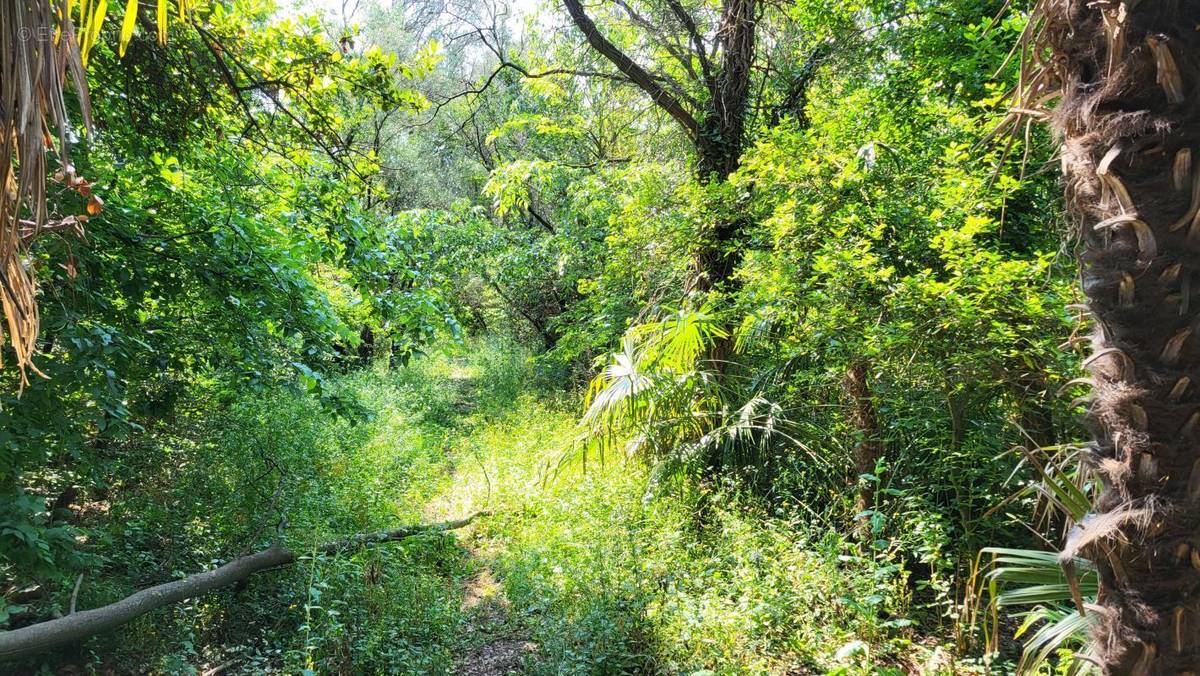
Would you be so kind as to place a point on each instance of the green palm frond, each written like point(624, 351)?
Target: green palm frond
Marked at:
point(1032, 585)
point(677, 342)
point(1035, 580)
point(1057, 628)
point(658, 394)
point(1029, 577)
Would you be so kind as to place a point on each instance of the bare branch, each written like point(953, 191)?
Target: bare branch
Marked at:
point(487, 83)
point(658, 35)
point(689, 24)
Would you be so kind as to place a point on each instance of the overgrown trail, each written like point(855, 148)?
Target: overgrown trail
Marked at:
point(580, 573)
point(599, 572)
point(281, 283)
point(504, 646)
point(495, 643)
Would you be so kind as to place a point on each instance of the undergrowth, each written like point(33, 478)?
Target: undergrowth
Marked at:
point(604, 580)
point(610, 581)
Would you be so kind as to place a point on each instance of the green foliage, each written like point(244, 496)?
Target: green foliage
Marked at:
point(655, 386)
point(249, 258)
point(1036, 583)
point(215, 482)
point(335, 287)
point(1051, 625)
point(604, 580)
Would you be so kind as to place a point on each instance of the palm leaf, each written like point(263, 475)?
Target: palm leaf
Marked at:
point(1035, 580)
point(1058, 628)
point(162, 22)
point(39, 45)
point(127, 25)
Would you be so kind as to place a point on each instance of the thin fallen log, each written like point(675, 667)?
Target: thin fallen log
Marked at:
point(36, 638)
point(396, 534)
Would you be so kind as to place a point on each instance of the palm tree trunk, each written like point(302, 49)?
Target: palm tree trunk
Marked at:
point(1129, 120)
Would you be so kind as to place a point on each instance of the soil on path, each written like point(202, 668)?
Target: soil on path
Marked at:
point(505, 648)
point(502, 645)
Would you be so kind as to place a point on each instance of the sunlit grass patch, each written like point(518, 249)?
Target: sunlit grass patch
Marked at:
point(607, 580)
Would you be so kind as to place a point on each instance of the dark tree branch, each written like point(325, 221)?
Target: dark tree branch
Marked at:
point(541, 220)
point(796, 96)
point(229, 79)
point(689, 24)
point(640, 76)
point(223, 58)
point(655, 33)
point(503, 65)
point(537, 324)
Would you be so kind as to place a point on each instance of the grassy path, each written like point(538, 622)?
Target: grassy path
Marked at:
point(498, 645)
point(579, 573)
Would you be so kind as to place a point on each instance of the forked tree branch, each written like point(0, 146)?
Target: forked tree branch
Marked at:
point(679, 52)
point(36, 638)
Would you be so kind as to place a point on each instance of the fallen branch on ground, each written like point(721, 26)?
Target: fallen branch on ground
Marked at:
point(77, 626)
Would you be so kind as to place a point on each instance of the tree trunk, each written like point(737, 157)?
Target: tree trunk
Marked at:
point(1035, 417)
point(869, 448)
point(722, 134)
point(718, 155)
point(716, 127)
point(366, 346)
point(1130, 120)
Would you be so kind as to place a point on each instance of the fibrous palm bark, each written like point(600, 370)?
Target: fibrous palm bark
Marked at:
point(1129, 119)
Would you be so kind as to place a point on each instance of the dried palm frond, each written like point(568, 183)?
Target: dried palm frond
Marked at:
point(37, 48)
